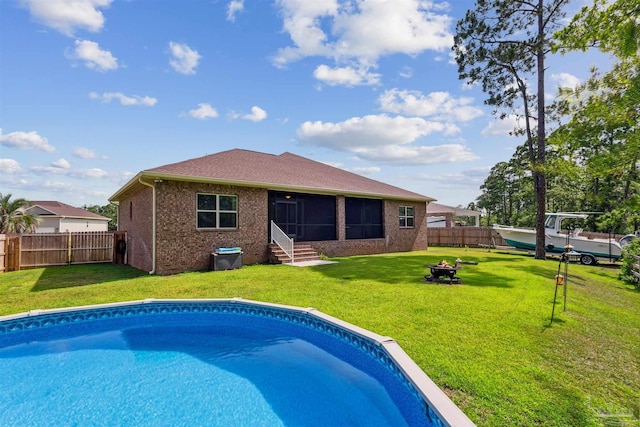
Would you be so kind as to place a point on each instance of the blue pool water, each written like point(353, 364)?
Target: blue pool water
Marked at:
point(185, 366)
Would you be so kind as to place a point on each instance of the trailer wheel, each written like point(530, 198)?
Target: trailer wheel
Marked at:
point(588, 259)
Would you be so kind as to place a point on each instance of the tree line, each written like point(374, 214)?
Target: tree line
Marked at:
point(581, 152)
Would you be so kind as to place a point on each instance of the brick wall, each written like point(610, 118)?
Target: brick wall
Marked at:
point(396, 239)
point(405, 239)
point(135, 216)
point(182, 247)
point(341, 219)
point(352, 247)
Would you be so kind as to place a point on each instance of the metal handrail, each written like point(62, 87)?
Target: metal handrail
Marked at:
point(281, 239)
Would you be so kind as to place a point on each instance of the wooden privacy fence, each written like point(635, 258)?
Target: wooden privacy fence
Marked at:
point(464, 236)
point(24, 251)
point(3, 252)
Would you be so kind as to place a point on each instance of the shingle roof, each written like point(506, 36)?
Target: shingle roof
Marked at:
point(64, 210)
point(437, 208)
point(285, 171)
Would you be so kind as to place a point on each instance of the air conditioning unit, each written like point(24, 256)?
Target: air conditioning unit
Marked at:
point(226, 261)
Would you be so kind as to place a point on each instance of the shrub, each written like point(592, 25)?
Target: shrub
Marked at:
point(627, 262)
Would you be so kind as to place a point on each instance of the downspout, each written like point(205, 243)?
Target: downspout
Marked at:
point(117, 216)
point(426, 222)
point(153, 224)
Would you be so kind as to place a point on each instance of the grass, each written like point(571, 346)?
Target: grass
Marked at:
point(488, 343)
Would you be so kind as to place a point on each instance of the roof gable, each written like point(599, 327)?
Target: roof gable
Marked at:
point(437, 208)
point(284, 171)
point(59, 209)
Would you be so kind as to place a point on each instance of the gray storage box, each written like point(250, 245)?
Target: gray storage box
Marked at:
point(229, 261)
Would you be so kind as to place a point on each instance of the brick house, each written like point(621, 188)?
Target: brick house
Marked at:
point(176, 215)
point(58, 217)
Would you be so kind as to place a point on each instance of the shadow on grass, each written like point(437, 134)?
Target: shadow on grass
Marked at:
point(630, 288)
point(571, 403)
point(556, 320)
point(402, 269)
point(83, 275)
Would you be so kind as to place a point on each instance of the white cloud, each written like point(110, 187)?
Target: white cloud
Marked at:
point(384, 139)
point(436, 104)
point(565, 80)
point(93, 173)
point(467, 85)
point(87, 153)
point(338, 165)
point(233, 8)
point(452, 181)
point(346, 76)
point(503, 127)
point(419, 155)
point(61, 163)
point(479, 172)
point(301, 19)
point(362, 31)
point(366, 170)
point(455, 181)
point(58, 187)
point(93, 57)
point(257, 114)
point(42, 170)
point(203, 112)
point(26, 141)
point(10, 167)
point(146, 101)
point(78, 186)
point(67, 16)
point(372, 130)
point(184, 59)
point(84, 153)
point(406, 73)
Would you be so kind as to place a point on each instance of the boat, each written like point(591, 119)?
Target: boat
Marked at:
point(557, 240)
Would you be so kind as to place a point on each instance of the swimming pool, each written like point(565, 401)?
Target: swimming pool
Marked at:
point(208, 362)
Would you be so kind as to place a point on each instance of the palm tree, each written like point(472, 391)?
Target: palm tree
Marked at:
point(13, 219)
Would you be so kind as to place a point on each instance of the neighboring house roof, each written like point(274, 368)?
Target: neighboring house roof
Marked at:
point(287, 172)
point(437, 208)
point(62, 210)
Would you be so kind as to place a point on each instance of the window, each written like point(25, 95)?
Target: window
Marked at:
point(406, 217)
point(217, 211)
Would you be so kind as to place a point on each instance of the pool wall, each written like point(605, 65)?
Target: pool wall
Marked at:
point(437, 405)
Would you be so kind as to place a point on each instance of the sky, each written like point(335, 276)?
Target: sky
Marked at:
point(94, 91)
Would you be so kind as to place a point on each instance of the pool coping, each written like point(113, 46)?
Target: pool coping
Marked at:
point(447, 411)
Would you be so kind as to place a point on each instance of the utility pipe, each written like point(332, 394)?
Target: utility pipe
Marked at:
point(153, 224)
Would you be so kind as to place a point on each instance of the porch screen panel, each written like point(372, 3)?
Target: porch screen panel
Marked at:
point(363, 218)
point(319, 218)
point(306, 217)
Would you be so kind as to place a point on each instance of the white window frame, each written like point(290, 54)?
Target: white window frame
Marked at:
point(217, 211)
point(406, 216)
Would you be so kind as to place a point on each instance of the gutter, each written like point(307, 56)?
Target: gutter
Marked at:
point(270, 186)
point(153, 224)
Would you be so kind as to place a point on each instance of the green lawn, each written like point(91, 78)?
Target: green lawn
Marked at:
point(487, 343)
